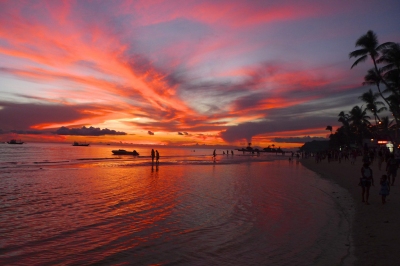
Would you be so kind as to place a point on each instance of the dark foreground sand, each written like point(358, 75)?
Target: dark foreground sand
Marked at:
point(376, 228)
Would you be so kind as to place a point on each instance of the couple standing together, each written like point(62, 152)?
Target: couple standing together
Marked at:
point(155, 155)
point(367, 181)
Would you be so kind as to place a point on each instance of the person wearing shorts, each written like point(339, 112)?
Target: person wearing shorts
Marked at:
point(366, 181)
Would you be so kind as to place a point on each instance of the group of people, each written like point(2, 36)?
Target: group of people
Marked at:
point(369, 156)
point(386, 181)
point(223, 152)
point(155, 155)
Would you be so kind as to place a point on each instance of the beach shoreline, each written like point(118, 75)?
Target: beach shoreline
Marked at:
point(375, 230)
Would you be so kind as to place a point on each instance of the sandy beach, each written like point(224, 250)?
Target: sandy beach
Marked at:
point(376, 236)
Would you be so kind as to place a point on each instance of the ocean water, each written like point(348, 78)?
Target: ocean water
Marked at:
point(65, 205)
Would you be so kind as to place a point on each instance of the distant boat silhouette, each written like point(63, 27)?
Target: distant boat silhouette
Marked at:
point(125, 152)
point(14, 141)
point(80, 144)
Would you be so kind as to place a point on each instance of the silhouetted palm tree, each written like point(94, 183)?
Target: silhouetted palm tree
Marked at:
point(345, 129)
point(390, 56)
point(373, 105)
point(329, 128)
point(359, 121)
point(386, 127)
point(369, 47)
point(344, 118)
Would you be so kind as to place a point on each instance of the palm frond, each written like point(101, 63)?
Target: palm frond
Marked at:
point(384, 45)
point(359, 52)
point(359, 60)
point(369, 40)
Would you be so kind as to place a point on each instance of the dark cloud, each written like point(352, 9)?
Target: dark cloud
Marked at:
point(25, 132)
point(22, 116)
point(150, 133)
point(87, 131)
point(297, 139)
point(248, 130)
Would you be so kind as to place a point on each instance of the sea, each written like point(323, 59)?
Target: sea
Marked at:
point(70, 205)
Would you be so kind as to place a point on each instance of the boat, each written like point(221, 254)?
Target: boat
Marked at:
point(14, 141)
point(125, 152)
point(80, 144)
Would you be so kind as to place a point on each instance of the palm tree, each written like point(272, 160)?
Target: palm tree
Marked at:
point(329, 128)
point(386, 127)
point(345, 129)
point(374, 78)
point(344, 119)
point(359, 121)
point(391, 56)
point(368, 44)
point(370, 99)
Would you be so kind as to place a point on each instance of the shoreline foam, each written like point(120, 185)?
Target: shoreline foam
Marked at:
point(375, 228)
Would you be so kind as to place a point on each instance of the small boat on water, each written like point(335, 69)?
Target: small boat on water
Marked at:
point(14, 141)
point(80, 144)
point(125, 152)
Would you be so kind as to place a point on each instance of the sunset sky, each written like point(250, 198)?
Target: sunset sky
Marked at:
point(183, 72)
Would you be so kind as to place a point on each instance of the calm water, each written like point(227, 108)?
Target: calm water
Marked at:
point(64, 205)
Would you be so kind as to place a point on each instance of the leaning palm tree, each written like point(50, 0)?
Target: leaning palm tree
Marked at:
point(373, 105)
point(369, 47)
point(368, 44)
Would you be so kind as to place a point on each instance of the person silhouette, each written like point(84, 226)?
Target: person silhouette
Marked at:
point(157, 157)
point(153, 155)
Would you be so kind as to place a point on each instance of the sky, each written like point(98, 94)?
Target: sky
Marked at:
point(268, 72)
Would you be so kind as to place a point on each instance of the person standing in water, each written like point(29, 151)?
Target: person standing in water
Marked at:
point(214, 156)
point(157, 157)
point(153, 155)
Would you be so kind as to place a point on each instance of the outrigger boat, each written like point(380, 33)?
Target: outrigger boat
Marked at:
point(14, 141)
point(125, 152)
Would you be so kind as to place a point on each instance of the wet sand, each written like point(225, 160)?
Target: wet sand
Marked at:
point(376, 228)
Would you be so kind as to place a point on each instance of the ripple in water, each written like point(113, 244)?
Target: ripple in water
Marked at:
point(224, 214)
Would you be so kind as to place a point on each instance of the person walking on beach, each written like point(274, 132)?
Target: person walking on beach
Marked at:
point(385, 188)
point(157, 157)
point(380, 159)
point(153, 155)
point(391, 169)
point(366, 181)
point(214, 155)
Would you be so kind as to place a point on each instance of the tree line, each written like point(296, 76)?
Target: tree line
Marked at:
point(384, 76)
